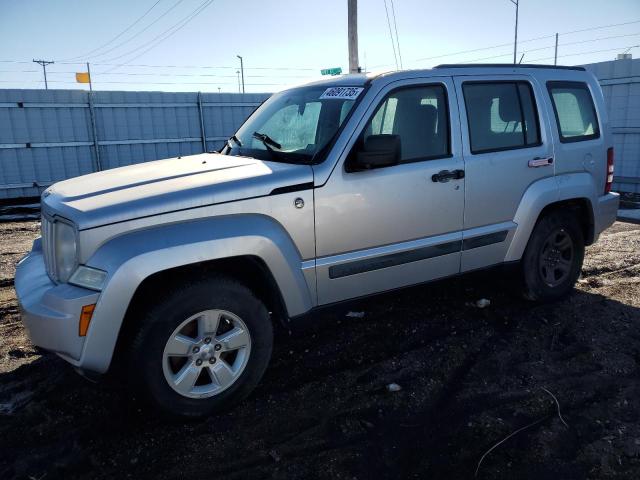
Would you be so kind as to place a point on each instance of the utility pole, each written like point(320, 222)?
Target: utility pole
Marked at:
point(238, 74)
point(44, 64)
point(352, 27)
point(555, 55)
point(241, 71)
point(515, 41)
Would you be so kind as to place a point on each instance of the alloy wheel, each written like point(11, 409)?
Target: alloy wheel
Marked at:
point(206, 353)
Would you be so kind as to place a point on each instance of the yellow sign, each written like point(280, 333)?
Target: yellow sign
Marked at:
point(83, 77)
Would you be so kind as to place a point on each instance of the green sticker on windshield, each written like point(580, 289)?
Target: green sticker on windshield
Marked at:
point(342, 93)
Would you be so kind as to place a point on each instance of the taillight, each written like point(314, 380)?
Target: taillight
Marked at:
point(607, 185)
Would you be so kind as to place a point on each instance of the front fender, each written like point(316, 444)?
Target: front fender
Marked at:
point(131, 258)
point(541, 194)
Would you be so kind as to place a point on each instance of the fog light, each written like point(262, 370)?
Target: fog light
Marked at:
point(85, 319)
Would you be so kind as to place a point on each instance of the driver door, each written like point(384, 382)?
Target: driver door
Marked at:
point(398, 225)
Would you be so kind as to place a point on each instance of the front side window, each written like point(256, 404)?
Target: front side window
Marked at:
point(294, 125)
point(501, 116)
point(575, 113)
point(419, 117)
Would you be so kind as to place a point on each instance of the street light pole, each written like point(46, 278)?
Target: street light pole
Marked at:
point(515, 41)
point(238, 74)
point(241, 71)
point(44, 64)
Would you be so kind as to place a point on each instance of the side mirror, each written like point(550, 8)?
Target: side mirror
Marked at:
point(378, 151)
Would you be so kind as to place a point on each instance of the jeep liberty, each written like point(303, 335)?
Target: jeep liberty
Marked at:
point(328, 192)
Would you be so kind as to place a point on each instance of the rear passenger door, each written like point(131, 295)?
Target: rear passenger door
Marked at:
point(506, 148)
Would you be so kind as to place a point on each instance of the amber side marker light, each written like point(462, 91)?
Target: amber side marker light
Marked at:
point(85, 319)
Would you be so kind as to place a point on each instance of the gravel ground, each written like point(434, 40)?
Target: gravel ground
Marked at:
point(469, 378)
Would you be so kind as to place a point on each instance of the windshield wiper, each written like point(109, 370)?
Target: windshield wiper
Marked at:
point(267, 140)
point(236, 140)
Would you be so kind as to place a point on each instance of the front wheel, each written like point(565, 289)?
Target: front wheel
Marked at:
point(553, 258)
point(202, 348)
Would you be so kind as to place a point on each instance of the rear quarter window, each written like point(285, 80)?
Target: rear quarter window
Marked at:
point(574, 110)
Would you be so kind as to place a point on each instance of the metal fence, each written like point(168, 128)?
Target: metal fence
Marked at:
point(620, 81)
point(50, 135)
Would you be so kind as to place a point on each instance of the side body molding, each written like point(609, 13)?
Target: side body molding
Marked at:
point(542, 193)
point(132, 257)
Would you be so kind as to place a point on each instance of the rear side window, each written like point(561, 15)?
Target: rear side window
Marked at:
point(501, 116)
point(575, 112)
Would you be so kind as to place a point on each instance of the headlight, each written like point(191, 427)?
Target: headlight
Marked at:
point(65, 250)
point(88, 277)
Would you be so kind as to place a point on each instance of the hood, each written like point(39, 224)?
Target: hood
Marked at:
point(163, 186)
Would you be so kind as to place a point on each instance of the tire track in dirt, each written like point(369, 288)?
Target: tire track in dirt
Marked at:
point(469, 378)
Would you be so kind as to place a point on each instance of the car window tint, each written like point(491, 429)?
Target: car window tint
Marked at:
point(500, 116)
point(419, 116)
point(574, 110)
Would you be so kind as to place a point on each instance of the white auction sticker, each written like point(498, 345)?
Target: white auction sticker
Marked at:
point(342, 93)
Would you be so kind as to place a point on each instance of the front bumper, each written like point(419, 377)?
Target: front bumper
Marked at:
point(51, 312)
point(607, 211)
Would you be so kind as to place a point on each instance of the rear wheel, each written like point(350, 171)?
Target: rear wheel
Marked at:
point(202, 348)
point(553, 258)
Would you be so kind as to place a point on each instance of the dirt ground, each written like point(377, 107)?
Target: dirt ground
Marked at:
point(469, 378)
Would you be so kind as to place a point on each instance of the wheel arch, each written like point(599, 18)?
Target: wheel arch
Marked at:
point(253, 249)
point(249, 270)
point(581, 208)
point(572, 192)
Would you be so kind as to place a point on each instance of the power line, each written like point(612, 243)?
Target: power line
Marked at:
point(166, 34)
point(276, 84)
point(559, 45)
point(202, 66)
point(170, 66)
point(86, 55)
point(148, 83)
point(584, 53)
point(461, 52)
point(206, 75)
point(135, 35)
point(395, 26)
point(393, 45)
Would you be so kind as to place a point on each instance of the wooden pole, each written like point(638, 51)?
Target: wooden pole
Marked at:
point(352, 11)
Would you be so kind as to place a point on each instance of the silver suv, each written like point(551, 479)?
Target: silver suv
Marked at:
point(335, 190)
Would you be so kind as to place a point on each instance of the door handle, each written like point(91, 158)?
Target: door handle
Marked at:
point(444, 176)
point(540, 162)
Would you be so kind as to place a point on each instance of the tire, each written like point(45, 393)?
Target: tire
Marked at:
point(552, 261)
point(174, 345)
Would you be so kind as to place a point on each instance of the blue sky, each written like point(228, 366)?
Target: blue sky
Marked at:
point(288, 42)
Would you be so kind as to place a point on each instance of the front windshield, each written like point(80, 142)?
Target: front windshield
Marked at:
point(294, 125)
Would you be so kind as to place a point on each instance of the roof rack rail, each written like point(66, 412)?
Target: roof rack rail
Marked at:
point(507, 65)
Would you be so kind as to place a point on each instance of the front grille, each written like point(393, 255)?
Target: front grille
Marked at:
point(48, 246)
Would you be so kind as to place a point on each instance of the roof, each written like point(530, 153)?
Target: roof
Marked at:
point(348, 80)
point(361, 79)
point(508, 65)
